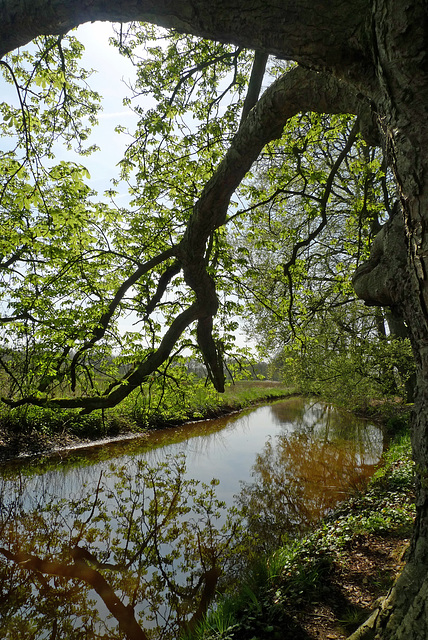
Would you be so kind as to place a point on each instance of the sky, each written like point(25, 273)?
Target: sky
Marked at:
point(112, 74)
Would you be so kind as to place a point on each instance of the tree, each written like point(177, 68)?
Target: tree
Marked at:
point(371, 61)
point(296, 480)
point(318, 196)
point(73, 267)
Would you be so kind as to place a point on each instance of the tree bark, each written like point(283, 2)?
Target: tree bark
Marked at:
point(321, 33)
point(399, 53)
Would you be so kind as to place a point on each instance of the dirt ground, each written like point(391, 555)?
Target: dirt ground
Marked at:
point(21, 445)
point(362, 575)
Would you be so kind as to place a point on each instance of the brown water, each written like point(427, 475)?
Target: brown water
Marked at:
point(139, 533)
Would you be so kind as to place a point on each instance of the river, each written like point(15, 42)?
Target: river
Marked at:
point(139, 533)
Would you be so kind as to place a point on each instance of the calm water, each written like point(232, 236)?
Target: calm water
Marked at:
point(144, 524)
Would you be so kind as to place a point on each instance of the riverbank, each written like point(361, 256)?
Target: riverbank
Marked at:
point(327, 583)
point(35, 431)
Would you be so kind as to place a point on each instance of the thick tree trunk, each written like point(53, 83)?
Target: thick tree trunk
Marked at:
point(399, 51)
point(325, 34)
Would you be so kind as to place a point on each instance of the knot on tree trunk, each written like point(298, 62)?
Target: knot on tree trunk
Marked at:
point(380, 280)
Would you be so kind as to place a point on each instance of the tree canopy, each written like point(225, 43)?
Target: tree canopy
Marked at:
point(75, 265)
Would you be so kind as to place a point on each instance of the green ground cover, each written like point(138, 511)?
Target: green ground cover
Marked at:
point(152, 406)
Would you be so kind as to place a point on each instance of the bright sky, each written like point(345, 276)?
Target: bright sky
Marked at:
point(113, 74)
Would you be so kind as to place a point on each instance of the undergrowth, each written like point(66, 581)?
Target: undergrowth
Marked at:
point(142, 409)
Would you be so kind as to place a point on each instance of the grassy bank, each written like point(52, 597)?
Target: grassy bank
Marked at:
point(325, 584)
point(34, 429)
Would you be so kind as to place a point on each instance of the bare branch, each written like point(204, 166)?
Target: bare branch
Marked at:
point(255, 83)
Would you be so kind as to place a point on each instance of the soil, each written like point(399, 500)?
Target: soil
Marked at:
point(363, 574)
point(16, 446)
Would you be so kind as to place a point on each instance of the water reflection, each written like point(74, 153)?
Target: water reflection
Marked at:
point(135, 546)
point(137, 555)
point(297, 479)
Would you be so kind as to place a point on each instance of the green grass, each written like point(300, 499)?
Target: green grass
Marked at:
point(154, 407)
point(251, 391)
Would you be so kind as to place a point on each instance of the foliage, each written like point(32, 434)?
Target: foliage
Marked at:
point(357, 371)
point(318, 197)
point(73, 268)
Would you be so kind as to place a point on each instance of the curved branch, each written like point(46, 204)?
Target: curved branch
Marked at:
point(323, 211)
point(164, 281)
point(322, 36)
point(297, 90)
point(200, 67)
point(100, 331)
point(23, 111)
point(131, 381)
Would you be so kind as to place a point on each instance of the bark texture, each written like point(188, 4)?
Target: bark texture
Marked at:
point(375, 281)
point(368, 56)
point(321, 33)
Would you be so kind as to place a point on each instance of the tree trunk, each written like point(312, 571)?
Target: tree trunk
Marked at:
point(324, 35)
point(399, 331)
point(399, 43)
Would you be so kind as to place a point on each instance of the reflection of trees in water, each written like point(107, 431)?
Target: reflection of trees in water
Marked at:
point(297, 479)
point(291, 410)
point(307, 415)
point(326, 422)
point(146, 544)
point(143, 547)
